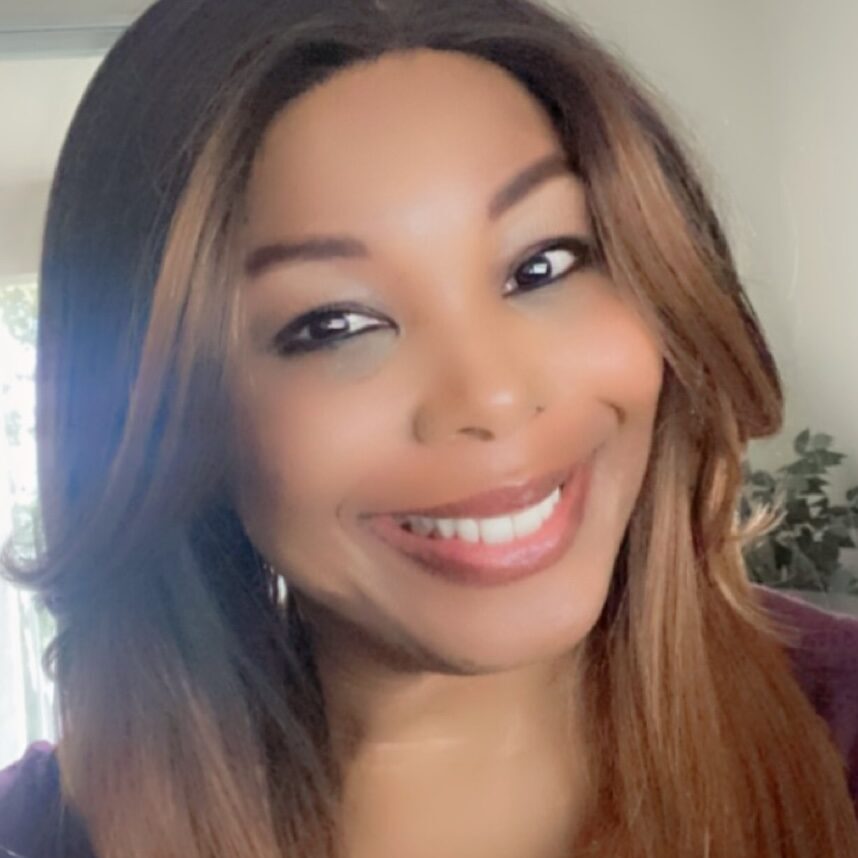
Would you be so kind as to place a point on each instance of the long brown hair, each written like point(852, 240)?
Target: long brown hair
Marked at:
point(193, 723)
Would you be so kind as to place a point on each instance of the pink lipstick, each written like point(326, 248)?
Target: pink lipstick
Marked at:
point(481, 564)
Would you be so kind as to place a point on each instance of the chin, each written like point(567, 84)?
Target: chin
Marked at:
point(507, 640)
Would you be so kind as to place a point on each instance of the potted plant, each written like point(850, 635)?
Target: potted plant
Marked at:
point(802, 551)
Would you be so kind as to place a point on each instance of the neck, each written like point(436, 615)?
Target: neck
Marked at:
point(378, 699)
point(475, 747)
point(373, 709)
point(436, 761)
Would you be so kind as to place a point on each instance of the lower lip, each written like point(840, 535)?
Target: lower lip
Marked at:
point(478, 564)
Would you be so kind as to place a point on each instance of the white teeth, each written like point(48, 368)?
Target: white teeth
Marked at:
point(420, 525)
point(502, 528)
point(447, 527)
point(468, 529)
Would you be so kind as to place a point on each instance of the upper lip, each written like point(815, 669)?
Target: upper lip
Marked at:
point(504, 499)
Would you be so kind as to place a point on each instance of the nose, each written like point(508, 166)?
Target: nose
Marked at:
point(485, 386)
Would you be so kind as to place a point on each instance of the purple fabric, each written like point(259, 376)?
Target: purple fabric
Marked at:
point(34, 821)
point(825, 660)
point(29, 797)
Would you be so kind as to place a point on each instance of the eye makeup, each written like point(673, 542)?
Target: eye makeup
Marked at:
point(327, 327)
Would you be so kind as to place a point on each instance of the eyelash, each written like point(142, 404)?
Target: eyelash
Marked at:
point(288, 345)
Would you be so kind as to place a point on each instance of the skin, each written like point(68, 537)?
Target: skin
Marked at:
point(453, 709)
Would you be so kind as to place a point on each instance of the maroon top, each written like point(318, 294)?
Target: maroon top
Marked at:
point(34, 823)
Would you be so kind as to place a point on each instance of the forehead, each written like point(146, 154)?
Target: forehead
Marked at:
point(439, 127)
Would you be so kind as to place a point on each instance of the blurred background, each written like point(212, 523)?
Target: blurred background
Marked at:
point(761, 90)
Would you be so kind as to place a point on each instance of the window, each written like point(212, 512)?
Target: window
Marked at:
point(26, 693)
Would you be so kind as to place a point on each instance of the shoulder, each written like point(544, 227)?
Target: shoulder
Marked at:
point(33, 819)
point(824, 656)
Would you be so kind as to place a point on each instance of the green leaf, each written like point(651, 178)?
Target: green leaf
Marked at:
point(798, 511)
point(802, 441)
point(800, 467)
point(760, 562)
point(762, 478)
point(19, 312)
point(852, 494)
point(822, 441)
point(797, 484)
point(805, 572)
point(830, 544)
point(805, 540)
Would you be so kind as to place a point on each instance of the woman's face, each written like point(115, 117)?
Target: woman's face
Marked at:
point(483, 348)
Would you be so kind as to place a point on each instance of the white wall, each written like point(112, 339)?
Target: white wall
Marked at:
point(815, 69)
point(37, 100)
point(76, 14)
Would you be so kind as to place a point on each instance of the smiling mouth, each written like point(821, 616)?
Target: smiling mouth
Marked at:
point(467, 558)
point(526, 517)
point(504, 500)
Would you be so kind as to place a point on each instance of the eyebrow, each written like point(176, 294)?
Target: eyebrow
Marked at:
point(325, 248)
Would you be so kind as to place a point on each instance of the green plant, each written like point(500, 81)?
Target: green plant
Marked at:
point(802, 551)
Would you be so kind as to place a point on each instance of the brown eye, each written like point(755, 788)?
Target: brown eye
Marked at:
point(325, 328)
point(553, 262)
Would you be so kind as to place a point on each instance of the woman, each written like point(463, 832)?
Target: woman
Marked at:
point(394, 379)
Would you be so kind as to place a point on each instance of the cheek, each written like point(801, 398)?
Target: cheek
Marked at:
point(302, 446)
point(622, 349)
point(282, 453)
point(604, 354)
point(611, 366)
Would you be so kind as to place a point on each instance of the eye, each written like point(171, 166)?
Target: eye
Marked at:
point(554, 261)
point(329, 327)
point(325, 328)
